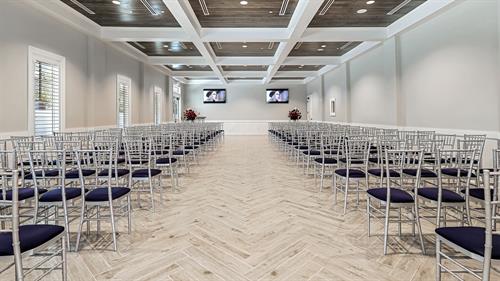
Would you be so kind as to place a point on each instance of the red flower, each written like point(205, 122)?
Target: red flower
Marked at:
point(190, 115)
point(294, 114)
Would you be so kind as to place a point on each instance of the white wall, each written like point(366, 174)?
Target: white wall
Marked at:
point(91, 70)
point(245, 102)
point(315, 94)
point(443, 73)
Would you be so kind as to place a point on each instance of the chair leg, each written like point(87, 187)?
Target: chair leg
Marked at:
point(438, 259)
point(334, 189)
point(368, 213)
point(322, 177)
point(419, 226)
point(66, 224)
point(80, 225)
point(346, 194)
point(386, 226)
point(151, 192)
point(113, 227)
point(129, 213)
point(64, 262)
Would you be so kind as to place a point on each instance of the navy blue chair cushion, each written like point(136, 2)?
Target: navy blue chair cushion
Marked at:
point(470, 238)
point(48, 173)
point(139, 161)
point(114, 173)
point(353, 161)
point(327, 161)
point(312, 152)
point(380, 172)
point(166, 160)
point(397, 195)
point(448, 196)
point(180, 152)
point(353, 173)
point(143, 173)
point(101, 194)
point(478, 193)
point(191, 147)
point(426, 173)
point(454, 172)
point(302, 147)
point(74, 174)
point(30, 236)
point(373, 160)
point(23, 193)
point(55, 195)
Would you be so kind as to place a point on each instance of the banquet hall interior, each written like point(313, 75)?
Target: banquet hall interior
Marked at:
point(250, 140)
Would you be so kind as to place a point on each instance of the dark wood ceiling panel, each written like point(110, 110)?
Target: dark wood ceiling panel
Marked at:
point(305, 49)
point(244, 68)
point(182, 67)
point(343, 13)
point(177, 49)
point(230, 13)
point(300, 67)
point(237, 49)
point(129, 13)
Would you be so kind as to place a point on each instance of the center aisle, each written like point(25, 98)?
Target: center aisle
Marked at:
point(246, 213)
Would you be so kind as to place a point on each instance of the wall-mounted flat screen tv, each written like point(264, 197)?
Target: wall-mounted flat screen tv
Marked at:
point(214, 95)
point(277, 95)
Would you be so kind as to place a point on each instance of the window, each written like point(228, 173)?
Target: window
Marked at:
point(176, 106)
point(157, 104)
point(46, 92)
point(123, 86)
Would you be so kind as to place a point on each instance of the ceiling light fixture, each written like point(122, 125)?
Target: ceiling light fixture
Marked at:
point(150, 7)
point(361, 11)
point(139, 45)
point(297, 46)
point(244, 46)
point(244, 3)
point(345, 46)
point(83, 7)
point(270, 12)
point(398, 7)
point(370, 2)
point(204, 7)
point(271, 45)
point(320, 50)
point(219, 45)
point(323, 46)
point(165, 46)
point(284, 5)
point(116, 2)
point(326, 7)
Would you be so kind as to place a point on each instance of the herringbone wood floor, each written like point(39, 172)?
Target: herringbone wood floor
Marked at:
point(245, 213)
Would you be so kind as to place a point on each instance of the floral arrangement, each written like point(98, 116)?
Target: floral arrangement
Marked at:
point(294, 114)
point(190, 114)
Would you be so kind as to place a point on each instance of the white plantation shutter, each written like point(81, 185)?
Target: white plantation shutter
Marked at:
point(46, 98)
point(123, 103)
point(157, 109)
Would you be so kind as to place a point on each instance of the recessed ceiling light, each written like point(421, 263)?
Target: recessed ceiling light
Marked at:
point(321, 50)
point(244, 3)
point(270, 12)
point(370, 2)
point(361, 11)
point(162, 12)
point(116, 2)
point(323, 46)
point(244, 46)
point(165, 46)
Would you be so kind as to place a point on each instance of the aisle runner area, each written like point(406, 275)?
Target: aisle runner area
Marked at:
point(245, 213)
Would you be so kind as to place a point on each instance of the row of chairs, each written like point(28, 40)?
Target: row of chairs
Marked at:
point(405, 176)
point(49, 182)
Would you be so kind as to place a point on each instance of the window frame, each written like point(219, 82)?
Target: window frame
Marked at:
point(122, 78)
point(157, 105)
point(36, 54)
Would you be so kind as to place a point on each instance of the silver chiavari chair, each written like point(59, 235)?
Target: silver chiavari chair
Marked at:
point(19, 242)
point(481, 244)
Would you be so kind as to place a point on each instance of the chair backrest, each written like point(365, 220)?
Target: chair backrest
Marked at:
point(448, 140)
point(357, 151)
point(400, 159)
point(496, 160)
point(96, 159)
point(491, 207)
point(138, 151)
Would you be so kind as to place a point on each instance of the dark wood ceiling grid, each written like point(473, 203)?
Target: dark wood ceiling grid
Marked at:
point(343, 13)
point(182, 67)
point(236, 49)
point(300, 67)
point(129, 13)
point(179, 49)
point(230, 13)
point(244, 68)
point(306, 49)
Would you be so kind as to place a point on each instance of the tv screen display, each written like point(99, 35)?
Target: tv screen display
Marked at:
point(277, 95)
point(214, 95)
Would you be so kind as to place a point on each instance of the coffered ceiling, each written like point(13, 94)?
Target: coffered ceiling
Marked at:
point(232, 41)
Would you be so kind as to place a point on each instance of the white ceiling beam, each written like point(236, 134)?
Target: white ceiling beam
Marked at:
point(204, 82)
point(189, 73)
point(244, 60)
point(424, 11)
point(245, 73)
point(244, 34)
point(185, 16)
point(301, 74)
point(287, 82)
point(302, 16)
point(358, 50)
point(168, 34)
point(313, 60)
point(344, 34)
point(163, 60)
